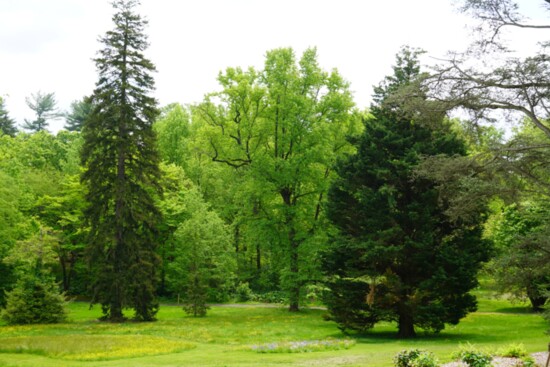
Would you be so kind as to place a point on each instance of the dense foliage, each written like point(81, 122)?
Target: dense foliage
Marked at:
point(398, 252)
point(271, 188)
point(121, 172)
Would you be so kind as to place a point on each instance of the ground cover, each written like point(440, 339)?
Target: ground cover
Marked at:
point(238, 336)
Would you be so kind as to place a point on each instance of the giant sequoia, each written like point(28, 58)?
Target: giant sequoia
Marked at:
point(121, 172)
point(399, 257)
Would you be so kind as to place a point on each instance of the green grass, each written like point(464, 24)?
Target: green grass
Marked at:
point(226, 337)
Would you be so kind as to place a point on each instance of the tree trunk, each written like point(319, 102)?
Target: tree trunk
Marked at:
point(64, 273)
point(406, 322)
point(258, 258)
point(116, 311)
point(294, 291)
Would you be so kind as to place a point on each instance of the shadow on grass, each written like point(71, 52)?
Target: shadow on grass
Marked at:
point(381, 337)
point(518, 309)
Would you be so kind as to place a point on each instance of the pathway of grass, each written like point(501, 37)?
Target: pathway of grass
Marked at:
point(226, 335)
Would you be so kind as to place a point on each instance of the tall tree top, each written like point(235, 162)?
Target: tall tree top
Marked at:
point(405, 71)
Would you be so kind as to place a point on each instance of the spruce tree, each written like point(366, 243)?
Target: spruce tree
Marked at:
point(121, 174)
point(7, 125)
point(399, 257)
point(78, 114)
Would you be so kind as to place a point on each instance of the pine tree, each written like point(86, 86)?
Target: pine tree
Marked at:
point(121, 174)
point(400, 257)
point(44, 106)
point(7, 125)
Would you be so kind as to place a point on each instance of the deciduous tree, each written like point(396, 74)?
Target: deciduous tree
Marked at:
point(283, 127)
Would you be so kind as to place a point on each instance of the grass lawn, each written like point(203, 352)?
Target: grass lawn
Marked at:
point(226, 337)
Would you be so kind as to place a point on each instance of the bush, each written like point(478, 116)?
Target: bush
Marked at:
point(415, 358)
point(513, 351)
point(272, 297)
point(473, 357)
point(528, 361)
point(34, 300)
point(243, 293)
point(424, 359)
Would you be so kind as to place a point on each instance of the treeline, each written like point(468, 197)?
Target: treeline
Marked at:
point(277, 189)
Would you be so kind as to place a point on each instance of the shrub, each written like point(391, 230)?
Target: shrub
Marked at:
point(424, 359)
point(473, 357)
point(415, 358)
point(528, 361)
point(405, 357)
point(513, 351)
point(243, 293)
point(272, 297)
point(34, 300)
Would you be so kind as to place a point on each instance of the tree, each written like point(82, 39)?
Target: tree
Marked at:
point(121, 172)
point(398, 256)
point(173, 130)
point(203, 261)
point(35, 298)
point(7, 124)
point(521, 237)
point(44, 106)
point(283, 127)
point(198, 261)
point(514, 86)
point(80, 110)
point(507, 87)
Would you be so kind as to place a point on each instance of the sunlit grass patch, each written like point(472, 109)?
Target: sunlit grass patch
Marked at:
point(304, 346)
point(93, 347)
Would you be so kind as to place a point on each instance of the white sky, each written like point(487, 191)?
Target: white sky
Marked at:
point(48, 45)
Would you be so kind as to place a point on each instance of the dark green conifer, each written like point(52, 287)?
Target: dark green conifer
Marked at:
point(7, 125)
point(121, 174)
point(399, 257)
point(80, 110)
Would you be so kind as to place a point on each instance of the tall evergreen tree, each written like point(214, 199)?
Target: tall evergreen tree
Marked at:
point(400, 257)
point(80, 110)
point(121, 175)
point(7, 125)
point(44, 106)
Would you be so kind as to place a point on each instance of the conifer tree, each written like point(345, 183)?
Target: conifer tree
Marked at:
point(7, 125)
point(44, 106)
point(78, 114)
point(121, 174)
point(399, 256)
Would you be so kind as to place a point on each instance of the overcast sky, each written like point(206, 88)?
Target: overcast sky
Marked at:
point(48, 45)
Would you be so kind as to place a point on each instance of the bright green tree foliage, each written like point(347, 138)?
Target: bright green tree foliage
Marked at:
point(283, 127)
point(173, 130)
point(121, 172)
point(399, 257)
point(32, 166)
point(7, 124)
point(35, 298)
point(199, 258)
point(521, 266)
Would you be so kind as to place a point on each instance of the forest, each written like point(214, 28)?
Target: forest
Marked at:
point(277, 189)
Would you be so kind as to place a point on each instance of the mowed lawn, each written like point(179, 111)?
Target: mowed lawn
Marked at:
point(227, 336)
